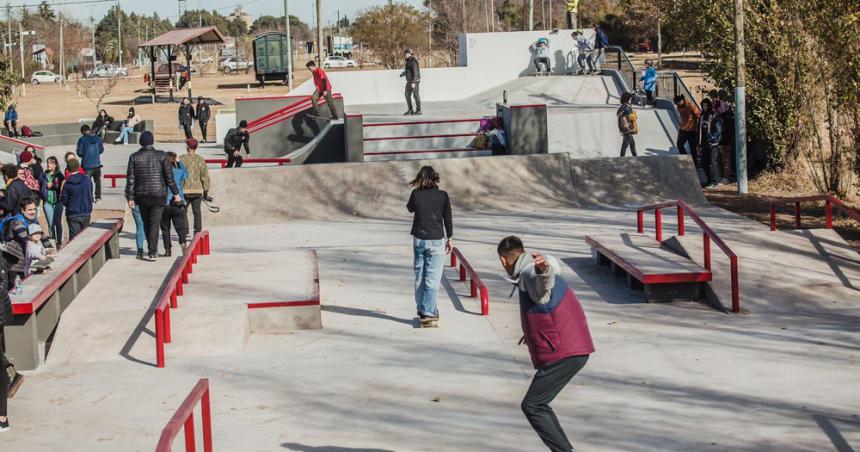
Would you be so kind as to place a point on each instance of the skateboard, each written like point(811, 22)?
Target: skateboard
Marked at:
point(429, 323)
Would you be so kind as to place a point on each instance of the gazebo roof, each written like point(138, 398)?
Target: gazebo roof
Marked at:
point(182, 36)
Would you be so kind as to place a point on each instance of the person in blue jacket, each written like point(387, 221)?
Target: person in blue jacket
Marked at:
point(89, 149)
point(10, 121)
point(77, 198)
point(649, 79)
point(601, 42)
point(175, 212)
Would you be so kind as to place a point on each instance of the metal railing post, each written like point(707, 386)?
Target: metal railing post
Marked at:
point(640, 221)
point(736, 291)
point(206, 417)
point(658, 224)
point(706, 240)
point(772, 217)
point(797, 215)
point(462, 272)
point(166, 324)
point(159, 338)
point(453, 259)
point(189, 433)
point(828, 208)
point(680, 220)
point(674, 85)
point(485, 301)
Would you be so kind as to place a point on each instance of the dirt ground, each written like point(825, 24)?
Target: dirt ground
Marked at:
point(52, 103)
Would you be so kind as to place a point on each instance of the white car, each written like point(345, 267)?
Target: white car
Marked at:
point(233, 64)
point(107, 70)
point(338, 61)
point(44, 77)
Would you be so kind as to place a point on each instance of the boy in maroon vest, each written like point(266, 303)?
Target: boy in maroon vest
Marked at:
point(555, 330)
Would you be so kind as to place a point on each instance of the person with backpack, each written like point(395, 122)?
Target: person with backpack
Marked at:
point(555, 330)
point(432, 238)
point(16, 190)
point(77, 199)
point(50, 189)
point(90, 148)
point(10, 121)
point(649, 79)
point(196, 186)
point(186, 117)
point(322, 87)
point(128, 126)
point(711, 131)
point(203, 113)
point(601, 42)
point(627, 124)
point(175, 211)
point(412, 72)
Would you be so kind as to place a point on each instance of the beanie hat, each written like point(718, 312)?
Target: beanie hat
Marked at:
point(243, 124)
point(25, 157)
point(191, 143)
point(74, 165)
point(146, 139)
point(34, 229)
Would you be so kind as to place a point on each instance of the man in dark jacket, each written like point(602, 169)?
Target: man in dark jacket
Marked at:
point(148, 177)
point(203, 114)
point(186, 117)
point(236, 139)
point(77, 197)
point(89, 150)
point(601, 42)
point(413, 79)
point(16, 191)
point(555, 331)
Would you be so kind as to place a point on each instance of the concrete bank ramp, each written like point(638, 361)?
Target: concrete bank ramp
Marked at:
point(510, 183)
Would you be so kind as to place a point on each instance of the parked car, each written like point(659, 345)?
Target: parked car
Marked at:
point(207, 60)
point(232, 64)
point(45, 77)
point(107, 70)
point(338, 61)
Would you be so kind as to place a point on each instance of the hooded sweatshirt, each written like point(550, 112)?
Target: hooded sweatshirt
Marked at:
point(90, 148)
point(77, 196)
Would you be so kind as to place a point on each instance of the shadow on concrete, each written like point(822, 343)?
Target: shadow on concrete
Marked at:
point(306, 448)
point(454, 296)
point(833, 433)
point(366, 313)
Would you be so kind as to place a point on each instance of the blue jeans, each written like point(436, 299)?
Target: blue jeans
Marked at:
point(139, 235)
point(429, 258)
point(54, 218)
point(123, 135)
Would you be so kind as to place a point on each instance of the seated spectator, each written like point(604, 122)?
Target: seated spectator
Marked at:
point(128, 126)
point(16, 190)
point(102, 123)
point(16, 235)
point(175, 210)
point(37, 254)
point(77, 196)
point(10, 121)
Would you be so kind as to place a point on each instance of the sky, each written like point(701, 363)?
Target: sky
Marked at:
point(303, 9)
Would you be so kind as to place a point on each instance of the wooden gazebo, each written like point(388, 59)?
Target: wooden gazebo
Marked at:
point(175, 41)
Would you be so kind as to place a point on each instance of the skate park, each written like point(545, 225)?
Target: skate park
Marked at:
point(768, 364)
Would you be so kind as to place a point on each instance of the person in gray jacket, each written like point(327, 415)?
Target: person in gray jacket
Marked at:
point(412, 72)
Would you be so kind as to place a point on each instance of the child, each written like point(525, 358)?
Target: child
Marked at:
point(36, 254)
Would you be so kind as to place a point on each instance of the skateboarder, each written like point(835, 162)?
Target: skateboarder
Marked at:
point(627, 124)
point(412, 72)
point(649, 79)
point(555, 331)
point(583, 50)
point(432, 232)
point(236, 139)
point(541, 52)
point(323, 88)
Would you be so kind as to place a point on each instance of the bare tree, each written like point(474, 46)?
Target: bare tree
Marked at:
point(96, 90)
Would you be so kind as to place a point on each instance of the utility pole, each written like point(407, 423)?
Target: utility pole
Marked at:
point(119, 32)
point(430, 35)
point(463, 10)
point(21, 48)
point(550, 16)
point(93, 30)
point(319, 32)
point(9, 30)
point(740, 99)
point(493, 15)
point(289, 46)
point(531, 15)
point(659, 43)
point(62, 52)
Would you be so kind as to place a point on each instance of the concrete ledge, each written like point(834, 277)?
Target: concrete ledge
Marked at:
point(283, 317)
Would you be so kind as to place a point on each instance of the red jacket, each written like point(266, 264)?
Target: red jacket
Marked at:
point(321, 80)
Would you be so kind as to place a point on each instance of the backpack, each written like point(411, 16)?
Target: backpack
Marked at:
point(26, 131)
point(29, 180)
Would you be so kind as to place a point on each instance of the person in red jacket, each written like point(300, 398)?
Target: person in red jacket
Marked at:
point(555, 331)
point(323, 88)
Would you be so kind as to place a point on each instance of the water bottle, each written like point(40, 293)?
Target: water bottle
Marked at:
point(19, 286)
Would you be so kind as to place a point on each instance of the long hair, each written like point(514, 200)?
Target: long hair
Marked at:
point(427, 178)
point(171, 157)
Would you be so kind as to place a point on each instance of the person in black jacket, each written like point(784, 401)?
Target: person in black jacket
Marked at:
point(147, 179)
point(5, 317)
point(102, 123)
point(413, 79)
point(432, 232)
point(203, 114)
point(186, 117)
point(16, 190)
point(234, 141)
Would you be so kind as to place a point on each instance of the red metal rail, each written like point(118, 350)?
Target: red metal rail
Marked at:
point(423, 137)
point(22, 142)
point(285, 113)
point(113, 178)
point(428, 151)
point(172, 289)
point(830, 201)
point(466, 269)
point(412, 123)
point(708, 235)
point(184, 417)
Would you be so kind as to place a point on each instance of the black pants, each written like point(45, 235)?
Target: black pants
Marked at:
point(4, 377)
point(179, 217)
point(234, 162)
point(628, 141)
point(151, 210)
point(543, 60)
point(11, 128)
point(650, 94)
point(710, 161)
point(315, 98)
point(685, 137)
point(194, 200)
point(547, 383)
point(203, 130)
point(413, 92)
point(187, 129)
point(96, 175)
point(77, 224)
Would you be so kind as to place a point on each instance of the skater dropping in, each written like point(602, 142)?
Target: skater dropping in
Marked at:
point(554, 329)
point(541, 53)
point(432, 239)
point(412, 72)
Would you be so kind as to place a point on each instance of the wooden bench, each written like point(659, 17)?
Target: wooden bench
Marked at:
point(665, 275)
point(36, 311)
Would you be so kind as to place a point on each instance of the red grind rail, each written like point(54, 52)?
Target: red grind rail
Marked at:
point(172, 289)
point(413, 123)
point(466, 269)
point(423, 137)
point(22, 142)
point(284, 113)
point(184, 416)
point(427, 151)
point(708, 235)
point(830, 201)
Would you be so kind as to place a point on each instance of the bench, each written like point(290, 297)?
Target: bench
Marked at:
point(664, 275)
point(36, 311)
point(113, 178)
point(113, 133)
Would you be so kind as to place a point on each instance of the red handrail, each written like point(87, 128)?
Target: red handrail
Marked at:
point(223, 162)
point(830, 201)
point(476, 283)
point(254, 122)
point(285, 113)
point(172, 289)
point(411, 123)
point(184, 416)
point(708, 235)
point(22, 142)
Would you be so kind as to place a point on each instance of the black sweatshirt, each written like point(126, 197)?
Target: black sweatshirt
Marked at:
point(432, 208)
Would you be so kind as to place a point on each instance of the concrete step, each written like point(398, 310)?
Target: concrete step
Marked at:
point(426, 155)
point(207, 331)
point(418, 144)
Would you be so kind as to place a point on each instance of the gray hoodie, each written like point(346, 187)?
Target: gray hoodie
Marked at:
point(527, 277)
